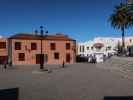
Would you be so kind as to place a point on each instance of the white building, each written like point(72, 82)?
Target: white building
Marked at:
point(103, 45)
point(99, 44)
point(84, 49)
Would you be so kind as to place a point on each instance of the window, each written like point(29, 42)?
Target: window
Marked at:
point(17, 45)
point(87, 48)
point(2, 45)
point(80, 49)
point(68, 46)
point(21, 57)
point(130, 40)
point(109, 47)
point(91, 48)
point(52, 46)
point(68, 58)
point(83, 48)
point(33, 46)
point(56, 55)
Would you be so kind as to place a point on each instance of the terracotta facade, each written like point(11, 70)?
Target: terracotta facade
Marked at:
point(28, 56)
point(3, 50)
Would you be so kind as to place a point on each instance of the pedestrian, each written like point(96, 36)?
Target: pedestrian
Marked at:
point(1, 66)
point(94, 59)
point(5, 66)
point(104, 57)
point(63, 64)
point(91, 58)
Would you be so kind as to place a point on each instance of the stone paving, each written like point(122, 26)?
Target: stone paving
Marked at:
point(81, 81)
point(121, 65)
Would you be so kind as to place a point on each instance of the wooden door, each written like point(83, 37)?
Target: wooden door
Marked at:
point(39, 58)
point(68, 58)
point(42, 59)
point(3, 59)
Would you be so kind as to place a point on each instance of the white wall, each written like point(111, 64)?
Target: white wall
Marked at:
point(107, 41)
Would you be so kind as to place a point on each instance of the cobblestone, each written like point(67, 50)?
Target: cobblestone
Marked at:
point(81, 81)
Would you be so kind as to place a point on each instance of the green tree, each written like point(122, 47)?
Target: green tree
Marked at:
point(121, 19)
point(130, 14)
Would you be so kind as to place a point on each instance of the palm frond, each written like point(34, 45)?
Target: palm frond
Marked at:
point(120, 18)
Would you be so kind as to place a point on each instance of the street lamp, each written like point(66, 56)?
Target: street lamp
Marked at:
point(42, 55)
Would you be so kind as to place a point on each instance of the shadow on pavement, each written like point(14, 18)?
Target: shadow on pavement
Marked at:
point(118, 98)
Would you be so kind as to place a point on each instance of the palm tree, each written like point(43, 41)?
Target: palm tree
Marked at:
point(130, 14)
point(120, 19)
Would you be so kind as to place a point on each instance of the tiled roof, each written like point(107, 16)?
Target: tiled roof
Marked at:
point(38, 37)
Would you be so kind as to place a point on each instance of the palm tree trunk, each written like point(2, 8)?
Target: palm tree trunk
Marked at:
point(123, 40)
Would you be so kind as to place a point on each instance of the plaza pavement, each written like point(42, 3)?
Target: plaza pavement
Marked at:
point(120, 65)
point(81, 81)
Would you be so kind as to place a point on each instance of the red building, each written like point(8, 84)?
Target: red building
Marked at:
point(3, 51)
point(26, 49)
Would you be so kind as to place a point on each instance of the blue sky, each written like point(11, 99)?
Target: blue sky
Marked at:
point(80, 19)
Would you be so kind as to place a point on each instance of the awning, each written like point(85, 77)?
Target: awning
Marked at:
point(98, 45)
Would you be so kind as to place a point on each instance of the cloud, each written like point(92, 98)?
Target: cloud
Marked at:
point(0, 36)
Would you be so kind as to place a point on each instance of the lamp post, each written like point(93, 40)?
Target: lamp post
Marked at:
point(42, 55)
